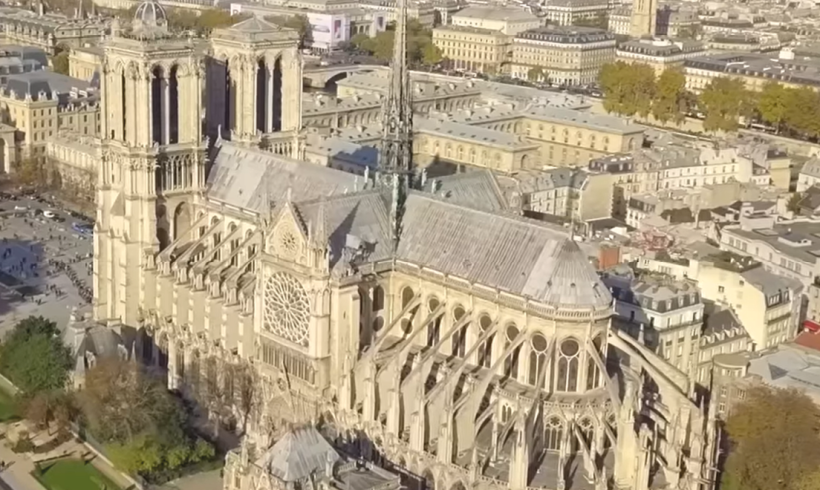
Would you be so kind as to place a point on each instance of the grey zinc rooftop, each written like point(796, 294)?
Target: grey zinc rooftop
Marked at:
point(770, 283)
point(471, 134)
point(33, 83)
point(777, 238)
point(491, 12)
point(478, 189)
point(811, 167)
point(251, 179)
point(298, 455)
point(583, 119)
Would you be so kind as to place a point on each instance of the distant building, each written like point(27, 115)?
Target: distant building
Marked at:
point(568, 12)
point(563, 55)
point(644, 18)
point(665, 315)
point(473, 48)
point(40, 103)
point(756, 70)
point(660, 54)
point(507, 20)
point(768, 305)
point(49, 32)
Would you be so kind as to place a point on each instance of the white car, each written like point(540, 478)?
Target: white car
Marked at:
point(19, 208)
point(49, 214)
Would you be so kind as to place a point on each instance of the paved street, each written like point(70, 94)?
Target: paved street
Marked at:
point(45, 265)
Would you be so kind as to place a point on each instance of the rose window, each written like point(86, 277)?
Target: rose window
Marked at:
point(287, 309)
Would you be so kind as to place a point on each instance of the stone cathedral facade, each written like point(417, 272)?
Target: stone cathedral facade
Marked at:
point(440, 335)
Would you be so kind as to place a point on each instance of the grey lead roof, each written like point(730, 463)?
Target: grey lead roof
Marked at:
point(298, 455)
point(456, 237)
point(248, 178)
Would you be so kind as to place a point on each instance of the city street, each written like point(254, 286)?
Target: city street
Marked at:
point(45, 264)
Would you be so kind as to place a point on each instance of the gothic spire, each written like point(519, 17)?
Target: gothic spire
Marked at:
point(395, 158)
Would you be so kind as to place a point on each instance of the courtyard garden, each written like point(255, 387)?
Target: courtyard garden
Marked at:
point(72, 474)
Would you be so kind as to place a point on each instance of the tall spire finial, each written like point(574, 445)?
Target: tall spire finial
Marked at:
point(395, 158)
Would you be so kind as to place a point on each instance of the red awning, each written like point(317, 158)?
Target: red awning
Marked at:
point(811, 326)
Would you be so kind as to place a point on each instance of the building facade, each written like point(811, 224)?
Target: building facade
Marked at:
point(428, 328)
point(473, 48)
point(507, 20)
point(39, 104)
point(562, 55)
point(660, 54)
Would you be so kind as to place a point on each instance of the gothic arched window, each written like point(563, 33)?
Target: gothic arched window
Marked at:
point(434, 326)
point(538, 357)
point(407, 296)
point(378, 298)
point(553, 434)
point(511, 362)
point(586, 427)
point(593, 373)
point(566, 378)
point(485, 353)
point(460, 337)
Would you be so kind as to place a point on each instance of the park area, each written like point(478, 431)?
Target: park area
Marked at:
point(8, 407)
point(72, 474)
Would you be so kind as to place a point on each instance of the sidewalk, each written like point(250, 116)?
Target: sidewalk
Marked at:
point(18, 474)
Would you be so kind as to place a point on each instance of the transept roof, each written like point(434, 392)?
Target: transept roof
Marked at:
point(455, 236)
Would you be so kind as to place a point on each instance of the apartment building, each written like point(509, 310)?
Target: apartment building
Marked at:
point(767, 304)
point(755, 69)
point(507, 20)
point(568, 12)
point(696, 167)
point(473, 48)
point(660, 54)
point(562, 55)
point(666, 315)
point(40, 103)
point(632, 174)
point(567, 193)
point(809, 175)
point(788, 249)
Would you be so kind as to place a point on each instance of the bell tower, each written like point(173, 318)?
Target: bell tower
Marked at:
point(255, 85)
point(153, 161)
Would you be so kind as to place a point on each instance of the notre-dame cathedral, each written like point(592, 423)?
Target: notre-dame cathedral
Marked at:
point(442, 336)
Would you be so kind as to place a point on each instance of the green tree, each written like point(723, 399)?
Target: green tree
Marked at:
point(144, 426)
point(298, 23)
point(628, 89)
point(670, 102)
point(769, 452)
point(361, 42)
point(724, 101)
point(772, 104)
point(431, 54)
point(535, 74)
point(30, 171)
point(60, 63)
point(794, 202)
point(34, 358)
point(802, 111)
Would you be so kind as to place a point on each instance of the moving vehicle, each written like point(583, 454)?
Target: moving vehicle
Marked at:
point(49, 214)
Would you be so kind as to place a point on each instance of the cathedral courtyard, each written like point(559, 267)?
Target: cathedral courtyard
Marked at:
point(29, 283)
